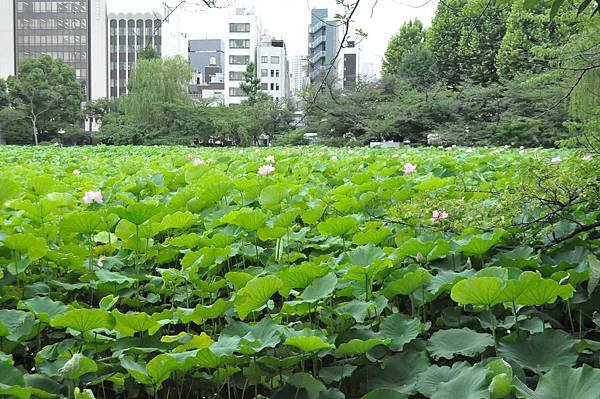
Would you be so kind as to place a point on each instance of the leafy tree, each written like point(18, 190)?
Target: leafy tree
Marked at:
point(443, 39)
point(418, 68)
point(480, 40)
point(148, 53)
point(530, 39)
point(411, 35)
point(251, 85)
point(153, 83)
point(46, 91)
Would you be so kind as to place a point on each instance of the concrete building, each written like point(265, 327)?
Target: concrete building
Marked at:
point(207, 58)
point(323, 43)
point(298, 78)
point(128, 35)
point(272, 67)
point(349, 71)
point(72, 30)
point(241, 41)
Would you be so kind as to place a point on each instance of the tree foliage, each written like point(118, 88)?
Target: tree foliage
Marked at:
point(410, 36)
point(47, 94)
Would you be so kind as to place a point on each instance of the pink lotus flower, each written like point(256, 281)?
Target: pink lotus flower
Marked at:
point(266, 170)
point(334, 158)
point(270, 159)
point(395, 155)
point(409, 168)
point(437, 216)
point(85, 157)
point(555, 161)
point(469, 149)
point(76, 172)
point(587, 157)
point(521, 148)
point(197, 162)
point(190, 157)
point(92, 196)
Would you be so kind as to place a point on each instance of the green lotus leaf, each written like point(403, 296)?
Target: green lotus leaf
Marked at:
point(337, 226)
point(238, 279)
point(308, 344)
point(371, 236)
point(398, 372)
point(470, 383)
point(594, 273)
point(430, 380)
point(83, 394)
point(299, 277)
point(255, 294)
point(563, 382)
point(336, 373)
point(16, 324)
point(481, 291)
point(365, 255)
point(520, 257)
point(449, 343)
point(136, 370)
point(287, 218)
point(247, 218)
point(320, 288)
point(35, 247)
point(429, 250)
point(84, 319)
point(408, 283)
point(161, 367)
point(202, 313)
point(384, 394)
point(77, 366)
point(500, 387)
point(85, 222)
point(533, 290)
point(478, 245)
point(43, 307)
point(137, 212)
point(130, 323)
point(272, 196)
point(310, 384)
point(432, 183)
point(400, 330)
point(312, 214)
point(359, 346)
point(177, 220)
point(540, 352)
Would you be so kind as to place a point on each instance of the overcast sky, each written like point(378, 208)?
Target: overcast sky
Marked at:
point(287, 19)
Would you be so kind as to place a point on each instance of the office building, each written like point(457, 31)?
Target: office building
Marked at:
point(72, 30)
point(241, 40)
point(129, 34)
point(207, 58)
point(349, 72)
point(323, 43)
point(298, 74)
point(272, 67)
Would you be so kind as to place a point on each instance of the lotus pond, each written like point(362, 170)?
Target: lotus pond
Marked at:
point(305, 273)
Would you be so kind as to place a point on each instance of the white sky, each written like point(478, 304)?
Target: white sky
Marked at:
point(287, 19)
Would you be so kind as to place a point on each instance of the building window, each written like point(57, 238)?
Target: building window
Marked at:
point(236, 92)
point(264, 73)
point(239, 27)
point(264, 86)
point(234, 75)
point(276, 86)
point(272, 86)
point(239, 59)
point(275, 59)
point(264, 59)
point(239, 43)
point(277, 73)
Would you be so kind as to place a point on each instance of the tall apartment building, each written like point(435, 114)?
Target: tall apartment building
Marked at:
point(72, 30)
point(241, 40)
point(298, 74)
point(129, 34)
point(323, 43)
point(272, 67)
point(349, 71)
point(207, 58)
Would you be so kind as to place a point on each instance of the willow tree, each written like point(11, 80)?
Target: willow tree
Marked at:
point(155, 86)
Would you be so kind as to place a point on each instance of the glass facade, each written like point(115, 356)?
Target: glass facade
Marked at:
point(57, 28)
point(127, 37)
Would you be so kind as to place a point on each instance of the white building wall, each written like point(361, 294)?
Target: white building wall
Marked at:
point(7, 39)
point(241, 16)
point(98, 50)
point(276, 83)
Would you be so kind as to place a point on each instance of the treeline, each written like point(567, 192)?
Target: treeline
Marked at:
point(484, 73)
